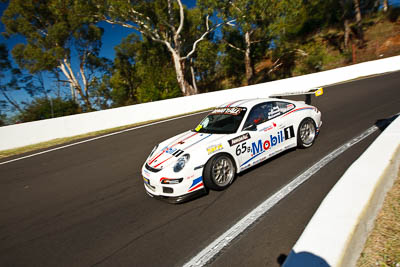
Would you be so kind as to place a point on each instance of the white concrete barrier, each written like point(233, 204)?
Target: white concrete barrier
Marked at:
point(336, 234)
point(20, 135)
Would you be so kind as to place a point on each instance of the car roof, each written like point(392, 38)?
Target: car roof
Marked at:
point(249, 103)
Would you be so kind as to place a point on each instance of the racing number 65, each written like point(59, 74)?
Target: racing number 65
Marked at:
point(240, 149)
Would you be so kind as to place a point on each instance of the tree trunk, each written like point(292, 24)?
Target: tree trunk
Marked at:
point(346, 33)
point(358, 11)
point(193, 76)
point(360, 34)
point(385, 5)
point(247, 60)
point(180, 68)
point(69, 74)
point(73, 93)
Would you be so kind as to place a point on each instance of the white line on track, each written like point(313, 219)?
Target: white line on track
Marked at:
point(99, 137)
point(212, 250)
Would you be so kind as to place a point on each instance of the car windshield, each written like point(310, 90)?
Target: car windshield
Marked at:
point(222, 121)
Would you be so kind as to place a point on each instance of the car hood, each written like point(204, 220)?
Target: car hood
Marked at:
point(189, 142)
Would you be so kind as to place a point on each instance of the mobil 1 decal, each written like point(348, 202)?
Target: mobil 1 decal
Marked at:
point(261, 146)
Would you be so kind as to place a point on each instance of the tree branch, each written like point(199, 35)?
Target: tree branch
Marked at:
point(256, 41)
point(83, 75)
point(234, 47)
point(67, 71)
point(182, 19)
point(154, 37)
point(301, 52)
point(275, 66)
point(144, 25)
point(10, 100)
point(204, 35)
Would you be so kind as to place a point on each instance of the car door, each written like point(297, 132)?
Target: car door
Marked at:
point(262, 132)
point(285, 126)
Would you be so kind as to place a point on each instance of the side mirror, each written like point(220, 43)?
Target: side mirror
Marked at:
point(251, 127)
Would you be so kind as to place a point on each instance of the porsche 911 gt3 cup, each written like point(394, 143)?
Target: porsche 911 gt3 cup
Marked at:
point(229, 140)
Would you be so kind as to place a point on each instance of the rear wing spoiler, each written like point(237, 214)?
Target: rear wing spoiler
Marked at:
point(318, 91)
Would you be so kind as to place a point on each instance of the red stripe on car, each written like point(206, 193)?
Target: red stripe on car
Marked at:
point(197, 186)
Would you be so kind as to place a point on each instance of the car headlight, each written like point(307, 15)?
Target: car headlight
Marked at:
point(154, 150)
point(181, 162)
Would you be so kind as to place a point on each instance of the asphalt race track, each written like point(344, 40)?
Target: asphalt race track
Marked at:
point(85, 205)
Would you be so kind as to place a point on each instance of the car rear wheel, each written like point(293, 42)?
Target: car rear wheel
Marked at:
point(219, 172)
point(306, 133)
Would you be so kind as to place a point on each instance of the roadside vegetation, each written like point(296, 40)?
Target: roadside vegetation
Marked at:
point(176, 48)
point(383, 244)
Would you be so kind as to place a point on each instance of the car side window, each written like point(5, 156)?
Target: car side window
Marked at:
point(284, 106)
point(259, 114)
point(267, 111)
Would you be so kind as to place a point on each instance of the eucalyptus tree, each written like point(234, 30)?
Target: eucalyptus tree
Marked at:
point(161, 21)
point(58, 34)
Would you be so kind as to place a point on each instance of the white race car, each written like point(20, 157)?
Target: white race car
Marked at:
point(229, 140)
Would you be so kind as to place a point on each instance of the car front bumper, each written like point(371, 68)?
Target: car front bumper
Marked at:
point(179, 199)
point(190, 186)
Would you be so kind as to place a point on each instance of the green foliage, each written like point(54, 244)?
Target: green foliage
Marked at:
point(47, 27)
point(232, 65)
point(205, 64)
point(45, 108)
point(3, 119)
point(5, 63)
point(311, 58)
point(143, 72)
point(158, 86)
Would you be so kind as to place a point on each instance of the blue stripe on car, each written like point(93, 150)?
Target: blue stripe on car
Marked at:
point(196, 181)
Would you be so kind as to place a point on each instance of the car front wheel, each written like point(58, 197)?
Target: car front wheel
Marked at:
point(219, 172)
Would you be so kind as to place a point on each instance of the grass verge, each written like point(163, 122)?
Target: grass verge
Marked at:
point(60, 141)
point(382, 247)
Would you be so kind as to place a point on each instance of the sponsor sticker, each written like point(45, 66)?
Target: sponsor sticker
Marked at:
point(173, 151)
point(214, 148)
point(266, 129)
point(260, 146)
point(228, 111)
point(239, 139)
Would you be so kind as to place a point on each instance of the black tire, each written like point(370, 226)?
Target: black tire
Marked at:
point(306, 133)
point(219, 172)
